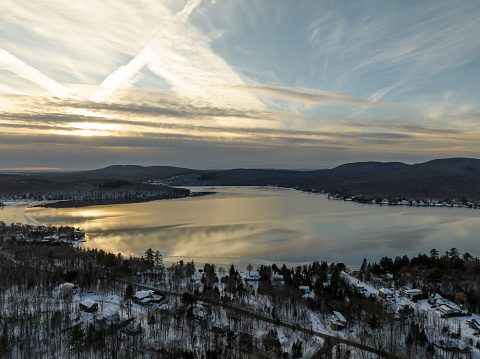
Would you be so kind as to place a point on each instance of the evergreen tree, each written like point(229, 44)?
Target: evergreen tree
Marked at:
point(129, 292)
point(77, 338)
point(158, 259)
point(77, 335)
point(272, 343)
point(149, 256)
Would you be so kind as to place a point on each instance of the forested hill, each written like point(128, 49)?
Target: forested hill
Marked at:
point(441, 179)
point(447, 179)
point(452, 178)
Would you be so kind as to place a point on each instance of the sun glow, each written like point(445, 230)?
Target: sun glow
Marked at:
point(92, 129)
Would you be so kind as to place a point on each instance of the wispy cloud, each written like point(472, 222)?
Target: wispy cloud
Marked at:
point(262, 80)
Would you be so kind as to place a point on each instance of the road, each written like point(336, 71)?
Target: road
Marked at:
point(295, 327)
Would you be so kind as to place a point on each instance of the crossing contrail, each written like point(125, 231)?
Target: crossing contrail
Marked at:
point(125, 76)
point(17, 66)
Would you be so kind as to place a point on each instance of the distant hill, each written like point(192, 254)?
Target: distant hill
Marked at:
point(457, 178)
point(451, 178)
point(136, 173)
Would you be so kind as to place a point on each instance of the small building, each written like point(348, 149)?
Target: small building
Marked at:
point(109, 316)
point(253, 276)
point(336, 325)
point(339, 317)
point(338, 321)
point(88, 305)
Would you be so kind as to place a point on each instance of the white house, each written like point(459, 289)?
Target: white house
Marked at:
point(253, 275)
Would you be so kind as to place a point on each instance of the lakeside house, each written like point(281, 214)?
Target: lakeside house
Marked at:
point(253, 276)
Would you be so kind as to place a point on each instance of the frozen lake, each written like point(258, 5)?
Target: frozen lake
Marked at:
point(242, 225)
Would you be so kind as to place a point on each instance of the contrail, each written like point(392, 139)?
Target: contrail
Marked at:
point(8, 89)
point(11, 63)
point(125, 76)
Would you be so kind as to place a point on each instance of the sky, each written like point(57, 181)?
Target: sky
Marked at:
point(235, 83)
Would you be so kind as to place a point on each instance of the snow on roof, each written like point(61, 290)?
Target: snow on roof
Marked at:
point(108, 312)
point(385, 291)
point(66, 284)
point(197, 276)
point(339, 316)
point(143, 294)
point(88, 302)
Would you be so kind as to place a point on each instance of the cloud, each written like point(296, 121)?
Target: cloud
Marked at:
point(11, 63)
point(399, 48)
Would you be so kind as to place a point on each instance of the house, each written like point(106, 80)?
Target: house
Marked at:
point(145, 297)
point(197, 277)
point(307, 292)
point(354, 272)
point(278, 277)
point(66, 290)
point(434, 298)
point(339, 317)
point(385, 293)
point(410, 293)
point(109, 316)
point(474, 324)
point(338, 321)
point(359, 288)
point(88, 305)
point(304, 288)
point(335, 325)
point(448, 310)
point(253, 275)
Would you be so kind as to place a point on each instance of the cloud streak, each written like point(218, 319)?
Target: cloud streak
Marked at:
point(18, 67)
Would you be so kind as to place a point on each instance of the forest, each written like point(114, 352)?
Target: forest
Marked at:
point(58, 301)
